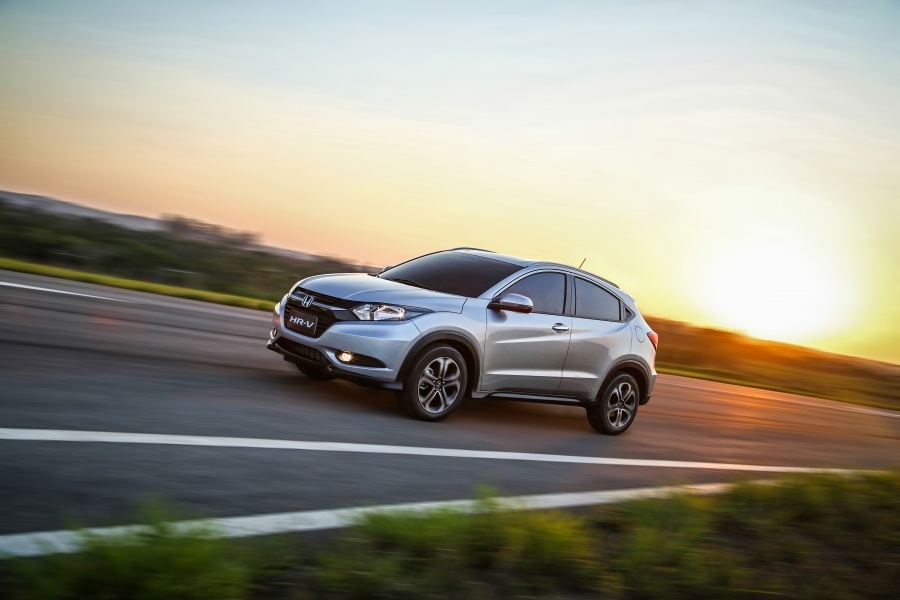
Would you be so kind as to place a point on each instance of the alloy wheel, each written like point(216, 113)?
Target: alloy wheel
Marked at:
point(439, 385)
point(621, 406)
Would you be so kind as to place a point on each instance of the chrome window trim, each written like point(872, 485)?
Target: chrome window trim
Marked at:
point(521, 276)
point(622, 304)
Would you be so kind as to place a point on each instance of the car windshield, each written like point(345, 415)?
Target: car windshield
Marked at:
point(455, 273)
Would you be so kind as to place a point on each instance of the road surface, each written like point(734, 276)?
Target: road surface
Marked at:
point(108, 360)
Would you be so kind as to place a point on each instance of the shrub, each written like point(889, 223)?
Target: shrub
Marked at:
point(158, 561)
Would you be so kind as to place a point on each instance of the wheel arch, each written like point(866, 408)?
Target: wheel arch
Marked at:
point(634, 367)
point(461, 342)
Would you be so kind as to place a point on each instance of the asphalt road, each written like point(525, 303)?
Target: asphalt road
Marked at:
point(168, 366)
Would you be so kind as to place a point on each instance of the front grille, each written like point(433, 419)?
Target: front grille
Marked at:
point(323, 299)
point(326, 316)
point(300, 350)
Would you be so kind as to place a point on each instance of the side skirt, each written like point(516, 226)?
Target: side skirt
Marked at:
point(540, 399)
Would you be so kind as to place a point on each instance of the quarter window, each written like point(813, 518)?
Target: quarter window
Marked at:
point(546, 290)
point(593, 302)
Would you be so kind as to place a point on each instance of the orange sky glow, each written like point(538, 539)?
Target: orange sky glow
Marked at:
point(735, 166)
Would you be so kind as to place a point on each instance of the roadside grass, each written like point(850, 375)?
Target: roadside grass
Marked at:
point(158, 562)
point(809, 536)
point(805, 536)
point(449, 554)
point(854, 396)
point(9, 264)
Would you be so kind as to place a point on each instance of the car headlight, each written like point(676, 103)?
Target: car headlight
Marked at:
point(386, 312)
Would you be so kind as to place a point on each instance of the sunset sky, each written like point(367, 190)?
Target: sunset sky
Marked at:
point(728, 164)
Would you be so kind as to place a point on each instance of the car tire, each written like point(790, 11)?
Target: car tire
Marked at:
point(319, 373)
point(616, 406)
point(435, 385)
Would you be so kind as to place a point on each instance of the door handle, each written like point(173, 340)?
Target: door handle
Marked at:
point(560, 328)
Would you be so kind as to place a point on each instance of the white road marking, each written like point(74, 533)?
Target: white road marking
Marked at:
point(856, 409)
point(40, 289)
point(61, 435)
point(56, 542)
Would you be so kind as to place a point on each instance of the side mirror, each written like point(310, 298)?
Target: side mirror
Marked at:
point(513, 303)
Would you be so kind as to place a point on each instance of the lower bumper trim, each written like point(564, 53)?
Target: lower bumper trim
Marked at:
point(362, 380)
point(298, 349)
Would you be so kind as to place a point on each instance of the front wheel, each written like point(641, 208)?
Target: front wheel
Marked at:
point(435, 385)
point(617, 406)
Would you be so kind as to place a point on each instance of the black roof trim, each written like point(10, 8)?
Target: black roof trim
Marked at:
point(578, 271)
point(597, 276)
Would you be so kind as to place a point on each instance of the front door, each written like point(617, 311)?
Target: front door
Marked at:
point(526, 352)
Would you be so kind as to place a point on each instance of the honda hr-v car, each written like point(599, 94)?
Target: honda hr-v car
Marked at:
point(469, 323)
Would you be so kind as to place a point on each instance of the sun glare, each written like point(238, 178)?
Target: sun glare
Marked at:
point(776, 288)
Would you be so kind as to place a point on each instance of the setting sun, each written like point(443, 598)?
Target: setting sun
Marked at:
point(774, 287)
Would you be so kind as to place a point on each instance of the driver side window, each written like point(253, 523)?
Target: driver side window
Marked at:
point(546, 290)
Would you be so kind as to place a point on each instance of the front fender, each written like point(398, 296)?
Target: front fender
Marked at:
point(455, 338)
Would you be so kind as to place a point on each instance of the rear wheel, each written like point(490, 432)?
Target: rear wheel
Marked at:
point(435, 385)
point(617, 406)
point(320, 373)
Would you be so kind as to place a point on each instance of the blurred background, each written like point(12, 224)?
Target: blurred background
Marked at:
point(732, 165)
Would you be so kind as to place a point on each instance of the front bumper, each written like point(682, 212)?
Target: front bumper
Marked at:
point(388, 342)
point(291, 355)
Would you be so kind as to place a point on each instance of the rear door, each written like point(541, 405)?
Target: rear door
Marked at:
point(600, 335)
point(526, 352)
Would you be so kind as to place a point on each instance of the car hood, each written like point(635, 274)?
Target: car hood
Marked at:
point(364, 288)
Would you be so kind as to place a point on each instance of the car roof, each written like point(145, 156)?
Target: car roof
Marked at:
point(526, 262)
point(515, 260)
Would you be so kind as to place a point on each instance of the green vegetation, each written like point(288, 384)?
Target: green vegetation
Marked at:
point(453, 555)
point(810, 536)
point(131, 284)
point(160, 562)
point(185, 254)
point(733, 358)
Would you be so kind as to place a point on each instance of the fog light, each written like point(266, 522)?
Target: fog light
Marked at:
point(273, 333)
point(345, 356)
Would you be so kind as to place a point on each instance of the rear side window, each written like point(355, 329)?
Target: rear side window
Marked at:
point(455, 273)
point(546, 290)
point(593, 302)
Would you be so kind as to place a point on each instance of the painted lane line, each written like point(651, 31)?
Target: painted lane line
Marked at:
point(57, 435)
point(856, 409)
point(66, 541)
point(40, 289)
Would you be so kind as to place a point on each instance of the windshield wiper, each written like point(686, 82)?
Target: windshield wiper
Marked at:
point(412, 283)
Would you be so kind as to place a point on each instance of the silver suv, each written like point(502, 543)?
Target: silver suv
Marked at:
point(473, 323)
